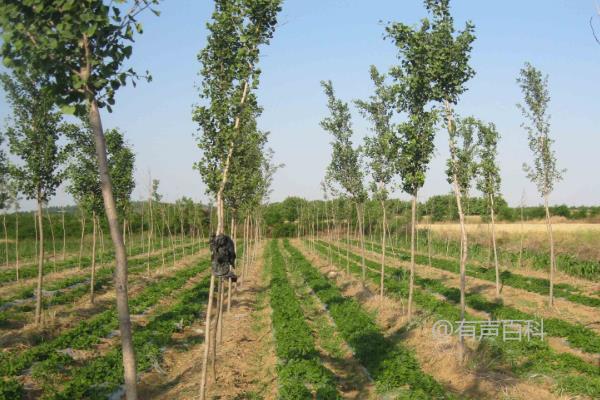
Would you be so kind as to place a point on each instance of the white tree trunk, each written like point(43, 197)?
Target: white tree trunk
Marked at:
point(38, 298)
point(411, 282)
point(120, 275)
point(494, 246)
point(552, 259)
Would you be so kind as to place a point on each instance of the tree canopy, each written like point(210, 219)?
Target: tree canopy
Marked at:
point(544, 172)
point(84, 180)
point(33, 137)
point(345, 166)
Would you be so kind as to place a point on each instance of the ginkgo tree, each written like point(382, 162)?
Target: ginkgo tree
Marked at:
point(80, 47)
point(33, 139)
point(488, 182)
point(450, 55)
point(461, 170)
point(544, 172)
point(345, 168)
point(381, 149)
point(84, 182)
point(230, 75)
point(413, 84)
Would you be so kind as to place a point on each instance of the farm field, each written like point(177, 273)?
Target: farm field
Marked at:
point(299, 200)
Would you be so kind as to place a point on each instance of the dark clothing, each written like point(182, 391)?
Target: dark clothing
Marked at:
point(222, 254)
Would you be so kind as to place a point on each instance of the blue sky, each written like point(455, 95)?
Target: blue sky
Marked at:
point(339, 40)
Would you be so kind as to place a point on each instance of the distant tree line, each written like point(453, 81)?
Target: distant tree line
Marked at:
point(282, 218)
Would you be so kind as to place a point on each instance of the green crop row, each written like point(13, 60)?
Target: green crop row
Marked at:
point(301, 374)
point(31, 270)
point(571, 265)
point(571, 373)
point(28, 291)
point(507, 278)
point(578, 335)
point(65, 294)
point(90, 332)
point(392, 366)
point(101, 376)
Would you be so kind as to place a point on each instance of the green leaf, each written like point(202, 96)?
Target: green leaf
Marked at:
point(67, 109)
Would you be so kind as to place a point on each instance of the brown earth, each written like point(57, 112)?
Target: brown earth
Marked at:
point(532, 303)
point(521, 299)
point(474, 379)
point(353, 381)
point(9, 287)
point(61, 317)
point(246, 359)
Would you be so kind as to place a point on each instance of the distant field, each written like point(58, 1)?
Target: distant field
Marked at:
point(515, 227)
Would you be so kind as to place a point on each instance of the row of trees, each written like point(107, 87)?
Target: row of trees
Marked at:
point(408, 105)
point(235, 166)
point(75, 51)
point(42, 163)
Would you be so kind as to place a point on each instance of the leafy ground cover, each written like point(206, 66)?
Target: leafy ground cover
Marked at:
point(101, 376)
point(392, 366)
point(567, 263)
point(300, 373)
point(46, 357)
point(524, 358)
point(508, 278)
point(578, 335)
point(27, 271)
point(68, 289)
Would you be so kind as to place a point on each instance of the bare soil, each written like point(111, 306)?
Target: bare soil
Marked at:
point(353, 381)
point(529, 302)
point(61, 317)
point(246, 359)
point(473, 379)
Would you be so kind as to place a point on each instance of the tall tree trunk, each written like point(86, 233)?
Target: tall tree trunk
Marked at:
point(429, 238)
point(411, 282)
point(463, 258)
point(522, 234)
point(142, 241)
point(221, 303)
point(162, 237)
point(182, 232)
point(245, 244)
point(382, 250)
point(234, 237)
point(360, 217)
point(328, 234)
point(171, 236)
point(38, 297)
point(53, 241)
point(347, 245)
point(37, 236)
point(101, 234)
point(5, 238)
point(494, 246)
point(463, 236)
point(64, 246)
point(258, 238)
point(220, 218)
point(552, 259)
point(17, 243)
point(215, 330)
point(81, 240)
point(93, 269)
point(120, 274)
point(130, 237)
point(150, 232)
point(207, 336)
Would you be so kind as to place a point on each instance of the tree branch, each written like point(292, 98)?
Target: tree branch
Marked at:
point(593, 31)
